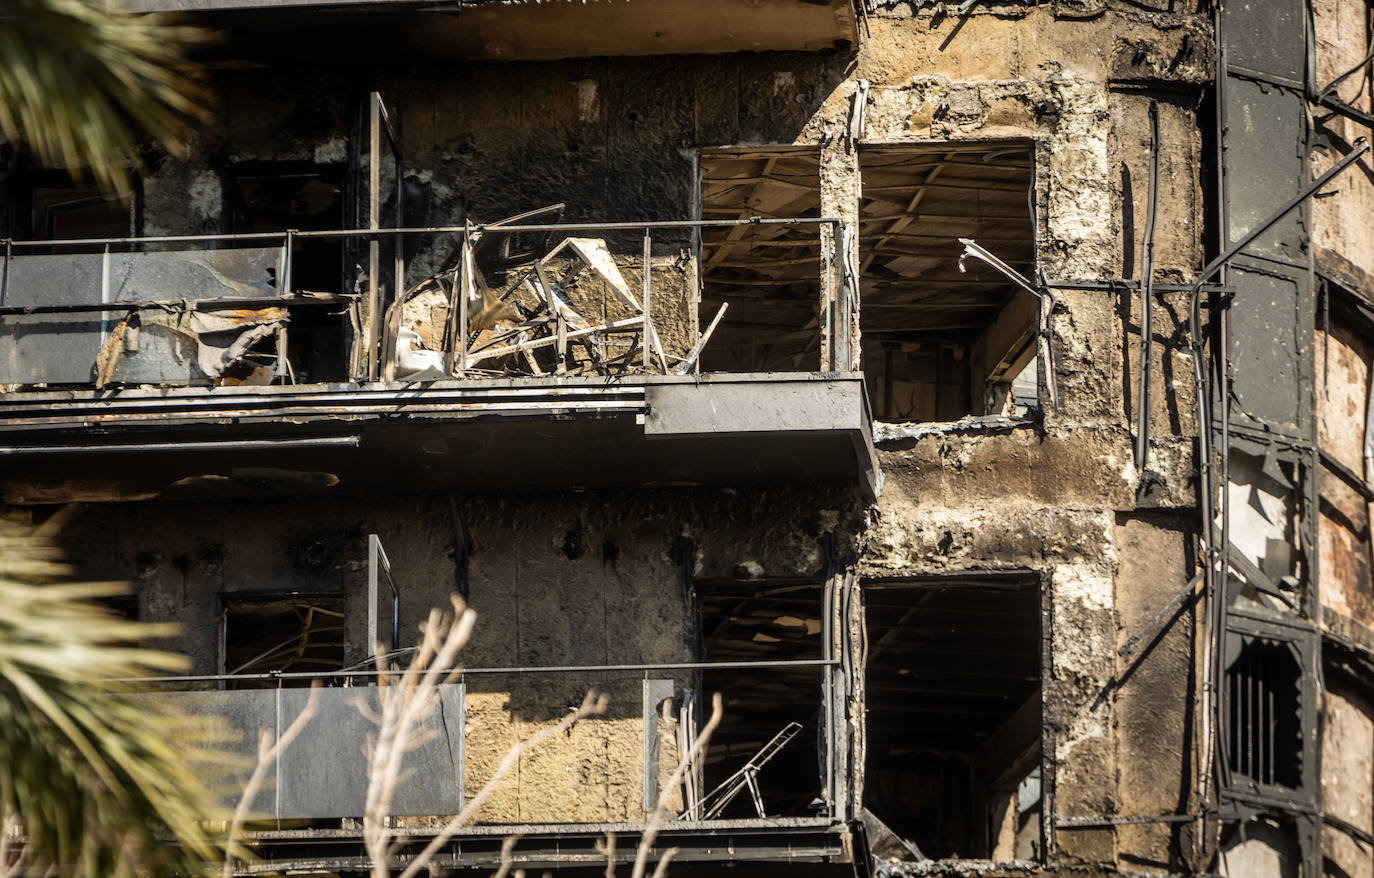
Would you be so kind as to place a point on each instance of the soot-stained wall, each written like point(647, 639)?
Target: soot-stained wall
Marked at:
point(589, 579)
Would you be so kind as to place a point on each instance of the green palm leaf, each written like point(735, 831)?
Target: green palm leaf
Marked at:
point(100, 783)
point(80, 83)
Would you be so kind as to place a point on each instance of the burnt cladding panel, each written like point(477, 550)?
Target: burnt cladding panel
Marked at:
point(1269, 43)
point(62, 348)
point(1266, 351)
point(56, 348)
point(323, 774)
point(1264, 166)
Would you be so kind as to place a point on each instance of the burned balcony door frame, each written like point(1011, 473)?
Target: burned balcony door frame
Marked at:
point(242, 602)
point(379, 568)
point(380, 121)
point(25, 180)
point(833, 302)
point(1261, 402)
point(838, 697)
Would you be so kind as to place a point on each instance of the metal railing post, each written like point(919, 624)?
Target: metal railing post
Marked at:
point(374, 549)
point(374, 255)
point(648, 311)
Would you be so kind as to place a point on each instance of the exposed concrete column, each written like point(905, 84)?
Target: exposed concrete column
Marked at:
point(1077, 709)
point(840, 187)
point(1078, 239)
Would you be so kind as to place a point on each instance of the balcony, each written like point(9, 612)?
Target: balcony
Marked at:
point(504, 31)
point(531, 351)
point(771, 785)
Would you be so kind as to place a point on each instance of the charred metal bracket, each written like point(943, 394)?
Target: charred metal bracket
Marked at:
point(1046, 301)
point(1147, 301)
point(1347, 475)
point(1360, 148)
point(378, 566)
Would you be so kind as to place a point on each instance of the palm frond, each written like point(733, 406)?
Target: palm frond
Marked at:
point(81, 82)
point(100, 782)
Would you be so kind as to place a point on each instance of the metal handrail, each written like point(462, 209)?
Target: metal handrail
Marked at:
point(428, 230)
point(463, 672)
point(376, 357)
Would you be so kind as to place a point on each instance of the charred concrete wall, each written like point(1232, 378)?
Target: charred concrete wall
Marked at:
point(1343, 358)
point(1343, 255)
point(1342, 249)
point(1062, 499)
point(593, 579)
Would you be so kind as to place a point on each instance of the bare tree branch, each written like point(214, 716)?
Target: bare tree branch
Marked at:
point(268, 754)
point(607, 850)
point(646, 841)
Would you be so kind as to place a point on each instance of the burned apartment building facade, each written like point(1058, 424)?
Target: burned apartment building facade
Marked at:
point(785, 349)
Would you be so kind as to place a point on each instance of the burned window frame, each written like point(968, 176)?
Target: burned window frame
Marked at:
point(996, 396)
point(238, 603)
point(1041, 763)
point(24, 180)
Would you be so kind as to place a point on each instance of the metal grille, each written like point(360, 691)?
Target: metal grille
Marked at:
point(1262, 702)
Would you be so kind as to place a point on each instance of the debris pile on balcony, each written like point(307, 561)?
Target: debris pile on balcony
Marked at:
point(570, 311)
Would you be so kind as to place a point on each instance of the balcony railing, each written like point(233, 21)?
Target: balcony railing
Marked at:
point(654, 708)
point(561, 299)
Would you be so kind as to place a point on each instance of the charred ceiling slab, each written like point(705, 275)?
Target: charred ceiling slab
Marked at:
point(518, 31)
point(474, 435)
point(946, 336)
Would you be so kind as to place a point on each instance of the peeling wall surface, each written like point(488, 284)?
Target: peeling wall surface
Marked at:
point(1067, 531)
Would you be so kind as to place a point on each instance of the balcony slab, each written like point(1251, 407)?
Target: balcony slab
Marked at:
point(498, 30)
point(810, 846)
point(478, 435)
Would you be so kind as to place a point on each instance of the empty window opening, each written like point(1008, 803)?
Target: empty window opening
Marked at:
point(953, 686)
point(769, 275)
point(51, 205)
point(1264, 740)
point(274, 197)
point(121, 606)
point(940, 343)
point(765, 622)
point(296, 634)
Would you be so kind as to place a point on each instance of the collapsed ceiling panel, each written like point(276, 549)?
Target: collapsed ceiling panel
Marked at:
point(917, 203)
point(770, 275)
point(943, 339)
